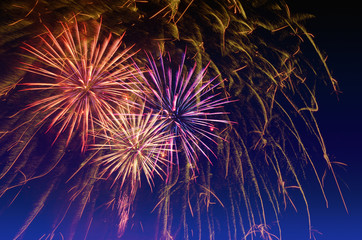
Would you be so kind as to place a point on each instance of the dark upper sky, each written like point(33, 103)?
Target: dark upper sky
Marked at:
point(338, 33)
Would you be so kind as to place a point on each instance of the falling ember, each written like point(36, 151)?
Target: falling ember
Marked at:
point(87, 78)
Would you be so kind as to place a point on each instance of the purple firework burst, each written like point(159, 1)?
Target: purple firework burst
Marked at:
point(189, 105)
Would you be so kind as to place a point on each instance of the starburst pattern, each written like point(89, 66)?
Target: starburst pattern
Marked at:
point(87, 78)
point(189, 106)
point(134, 144)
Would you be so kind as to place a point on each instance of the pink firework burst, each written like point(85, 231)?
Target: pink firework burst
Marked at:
point(87, 78)
point(189, 106)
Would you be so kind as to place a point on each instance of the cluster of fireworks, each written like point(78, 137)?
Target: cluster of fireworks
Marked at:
point(204, 101)
point(141, 117)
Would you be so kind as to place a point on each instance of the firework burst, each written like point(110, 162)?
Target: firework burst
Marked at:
point(188, 105)
point(135, 144)
point(87, 78)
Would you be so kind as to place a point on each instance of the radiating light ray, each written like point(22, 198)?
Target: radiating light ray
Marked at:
point(189, 105)
point(86, 76)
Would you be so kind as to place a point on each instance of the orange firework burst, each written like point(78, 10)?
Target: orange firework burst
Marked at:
point(87, 78)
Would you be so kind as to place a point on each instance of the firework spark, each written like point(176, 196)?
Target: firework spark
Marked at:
point(188, 104)
point(87, 78)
